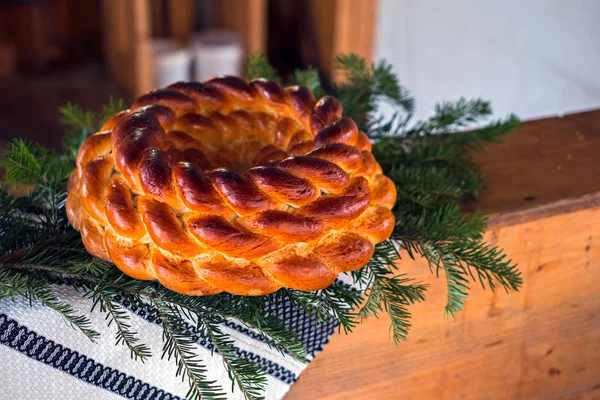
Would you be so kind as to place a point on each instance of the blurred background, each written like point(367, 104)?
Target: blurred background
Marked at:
point(535, 58)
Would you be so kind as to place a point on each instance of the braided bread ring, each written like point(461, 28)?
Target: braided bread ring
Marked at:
point(235, 186)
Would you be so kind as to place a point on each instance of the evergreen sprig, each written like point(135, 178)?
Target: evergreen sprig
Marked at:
point(450, 115)
point(83, 123)
point(310, 78)
point(257, 66)
point(105, 299)
point(249, 378)
point(429, 162)
point(113, 106)
point(27, 163)
point(75, 117)
point(388, 291)
point(365, 86)
point(181, 346)
point(35, 289)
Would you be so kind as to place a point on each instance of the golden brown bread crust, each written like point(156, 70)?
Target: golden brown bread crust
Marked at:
point(235, 186)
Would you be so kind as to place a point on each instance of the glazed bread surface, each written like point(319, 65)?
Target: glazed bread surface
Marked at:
point(234, 186)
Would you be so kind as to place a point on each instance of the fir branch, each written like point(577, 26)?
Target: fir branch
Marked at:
point(387, 87)
point(432, 175)
point(456, 276)
point(352, 66)
point(114, 106)
point(492, 132)
point(81, 322)
point(388, 292)
point(113, 279)
point(309, 78)
point(458, 114)
point(34, 287)
point(250, 311)
point(16, 230)
point(94, 267)
point(64, 256)
point(23, 163)
point(249, 378)
point(104, 298)
point(56, 251)
point(306, 301)
point(490, 265)
point(365, 86)
point(13, 284)
point(450, 116)
point(336, 301)
point(279, 337)
point(81, 124)
point(341, 300)
point(28, 163)
point(257, 66)
point(77, 119)
point(393, 295)
point(180, 346)
point(454, 244)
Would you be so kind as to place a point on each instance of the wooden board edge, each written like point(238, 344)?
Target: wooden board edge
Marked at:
point(503, 219)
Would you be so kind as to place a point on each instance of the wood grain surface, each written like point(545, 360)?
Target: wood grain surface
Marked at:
point(540, 343)
point(246, 17)
point(546, 161)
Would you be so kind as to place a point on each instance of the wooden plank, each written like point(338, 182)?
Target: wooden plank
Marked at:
point(546, 161)
point(257, 26)
point(127, 27)
point(538, 343)
point(157, 18)
point(341, 27)
point(140, 37)
point(246, 17)
point(116, 41)
point(322, 13)
point(507, 218)
point(354, 28)
point(181, 18)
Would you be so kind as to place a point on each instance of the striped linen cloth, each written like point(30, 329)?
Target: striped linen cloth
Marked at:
point(44, 358)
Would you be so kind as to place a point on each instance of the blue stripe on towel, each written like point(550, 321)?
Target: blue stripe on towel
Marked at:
point(150, 314)
point(37, 347)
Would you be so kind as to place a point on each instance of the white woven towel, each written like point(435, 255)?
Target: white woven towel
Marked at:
point(43, 358)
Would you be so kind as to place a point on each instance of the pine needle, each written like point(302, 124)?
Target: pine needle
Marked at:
point(309, 78)
point(247, 376)
point(104, 299)
point(180, 346)
point(76, 118)
point(114, 106)
point(257, 66)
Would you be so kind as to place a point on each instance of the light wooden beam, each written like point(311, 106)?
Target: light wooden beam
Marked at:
point(181, 18)
point(248, 18)
point(343, 26)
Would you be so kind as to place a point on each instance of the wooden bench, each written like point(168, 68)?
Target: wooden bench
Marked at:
point(543, 200)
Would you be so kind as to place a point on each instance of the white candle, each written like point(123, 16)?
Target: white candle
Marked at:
point(217, 52)
point(170, 62)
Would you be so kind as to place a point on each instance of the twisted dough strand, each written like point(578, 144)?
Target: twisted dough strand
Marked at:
point(235, 186)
